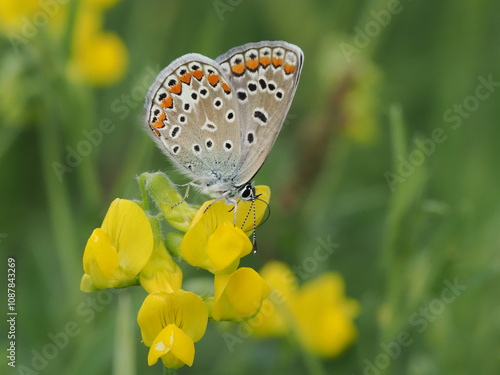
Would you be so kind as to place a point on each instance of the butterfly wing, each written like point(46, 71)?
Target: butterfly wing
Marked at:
point(191, 111)
point(264, 77)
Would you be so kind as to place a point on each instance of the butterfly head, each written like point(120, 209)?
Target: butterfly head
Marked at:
point(246, 192)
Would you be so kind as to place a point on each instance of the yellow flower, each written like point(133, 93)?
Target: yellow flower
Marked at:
point(318, 313)
point(324, 317)
point(13, 13)
point(213, 242)
point(170, 325)
point(273, 319)
point(100, 60)
point(239, 295)
point(117, 252)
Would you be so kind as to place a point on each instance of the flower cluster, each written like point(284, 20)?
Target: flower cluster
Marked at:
point(317, 313)
point(129, 249)
point(96, 56)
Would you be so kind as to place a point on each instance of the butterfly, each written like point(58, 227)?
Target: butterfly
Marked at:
point(217, 120)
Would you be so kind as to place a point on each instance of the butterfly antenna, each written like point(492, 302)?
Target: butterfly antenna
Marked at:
point(254, 234)
point(268, 209)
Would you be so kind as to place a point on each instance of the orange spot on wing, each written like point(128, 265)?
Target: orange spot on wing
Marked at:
point(158, 124)
point(159, 121)
point(277, 62)
point(226, 87)
point(186, 78)
point(156, 132)
point(198, 74)
point(213, 79)
point(252, 64)
point(289, 69)
point(167, 102)
point(238, 69)
point(176, 89)
point(265, 61)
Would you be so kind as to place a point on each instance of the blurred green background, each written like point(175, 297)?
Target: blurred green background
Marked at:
point(390, 150)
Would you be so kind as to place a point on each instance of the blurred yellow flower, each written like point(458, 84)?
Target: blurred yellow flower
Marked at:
point(318, 313)
point(100, 60)
point(97, 57)
point(273, 319)
point(118, 251)
point(239, 295)
point(13, 13)
point(324, 316)
point(213, 242)
point(170, 325)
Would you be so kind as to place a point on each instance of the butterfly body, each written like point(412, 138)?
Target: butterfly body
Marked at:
point(217, 120)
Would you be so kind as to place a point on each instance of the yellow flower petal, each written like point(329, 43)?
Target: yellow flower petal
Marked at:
point(274, 317)
point(175, 348)
point(213, 242)
point(184, 309)
point(118, 251)
point(239, 295)
point(100, 253)
point(321, 303)
point(101, 60)
point(129, 230)
point(244, 214)
point(227, 245)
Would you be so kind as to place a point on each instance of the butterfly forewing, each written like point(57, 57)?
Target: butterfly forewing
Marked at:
point(192, 112)
point(264, 77)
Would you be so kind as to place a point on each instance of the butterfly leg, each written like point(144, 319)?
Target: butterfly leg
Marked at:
point(235, 208)
point(186, 194)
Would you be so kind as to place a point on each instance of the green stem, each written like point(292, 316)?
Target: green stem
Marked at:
point(124, 348)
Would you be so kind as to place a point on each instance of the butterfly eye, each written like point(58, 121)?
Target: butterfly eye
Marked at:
point(247, 192)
